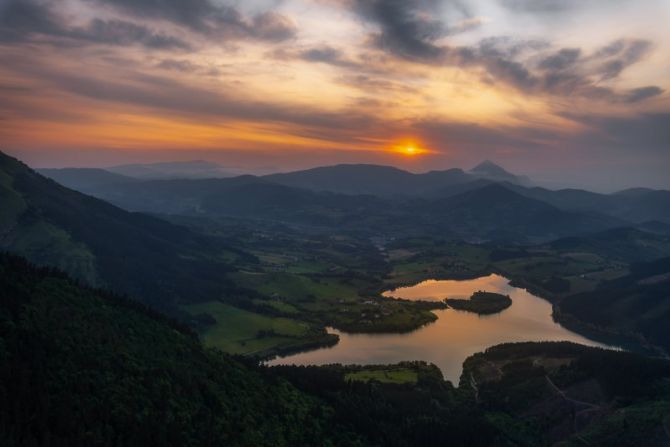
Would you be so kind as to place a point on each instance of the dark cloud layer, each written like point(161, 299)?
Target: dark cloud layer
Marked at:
point(541, 6)
point(642, 93)
point(568, 72)
point(22, 20)
point(327, 55)
point(209, 18)
point(620, 55)
point(552, 6)
point(562, 59)
point(409, 30)
point(406, 26)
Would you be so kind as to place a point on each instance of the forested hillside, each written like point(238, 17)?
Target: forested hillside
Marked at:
point(103, 245)
point(637, 304)
point(82, 367)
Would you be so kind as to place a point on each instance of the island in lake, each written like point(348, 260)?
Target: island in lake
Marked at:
point(482, 303)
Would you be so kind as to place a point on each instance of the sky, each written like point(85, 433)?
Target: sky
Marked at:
point(569, 92)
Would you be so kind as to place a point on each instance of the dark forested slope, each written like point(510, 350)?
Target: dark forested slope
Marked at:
point(80, 367)
point(635, 305)
point(83, 367)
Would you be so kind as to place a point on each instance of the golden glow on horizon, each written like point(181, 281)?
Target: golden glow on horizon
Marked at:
point(410, 149)
point(325, 91)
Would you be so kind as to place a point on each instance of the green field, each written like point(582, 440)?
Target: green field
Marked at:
point(402, 375)
point(238, 331)
point(414, 260)
point(292, 287)
point(333, 301)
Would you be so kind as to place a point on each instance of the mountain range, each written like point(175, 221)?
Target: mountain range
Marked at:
point(85, 366)
point(171, 170)
point(350, 179)
point(361, 196)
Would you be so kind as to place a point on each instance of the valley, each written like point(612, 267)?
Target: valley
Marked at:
point(454, 336)
point(294, 257)
point(334, 223)
point(359, 292)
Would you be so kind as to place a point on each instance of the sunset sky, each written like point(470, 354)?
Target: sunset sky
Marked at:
point(567, 91)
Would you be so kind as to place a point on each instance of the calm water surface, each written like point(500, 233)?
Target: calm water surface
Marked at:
point(454, 336)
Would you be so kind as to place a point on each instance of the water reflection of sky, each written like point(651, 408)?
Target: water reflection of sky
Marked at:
point(454, 336)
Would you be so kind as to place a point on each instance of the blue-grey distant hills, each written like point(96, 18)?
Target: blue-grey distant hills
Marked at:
point(387, 186)
point(635, 205)
point(386, 181)
point(352, 179)
point(172, 170)
point(490, 171)
point(369, 198)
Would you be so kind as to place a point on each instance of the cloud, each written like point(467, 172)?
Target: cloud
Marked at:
point(411, 29)
point(272, 26)
point(552, 7)
point(120, 32)
point(509, 47)
point(564, 72)
point(22, 20)
point(166, 96)
point(18, 17)
point(177, 65)
point(642, 93)
point(322, 54)
point(466, 25)
point(25, 20)
point(374, 84)
point(406, 27)
point(209, 18)
point(541, 6)
point(327, 55)
point(620, 55)
point(510, 72)
point(562, 59)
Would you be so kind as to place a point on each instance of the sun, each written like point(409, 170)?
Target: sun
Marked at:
point(411, 150)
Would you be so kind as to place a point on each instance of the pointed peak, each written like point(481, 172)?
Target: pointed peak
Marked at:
point(489, 167)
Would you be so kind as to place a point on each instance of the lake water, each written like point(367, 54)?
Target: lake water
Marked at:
point(454, 336)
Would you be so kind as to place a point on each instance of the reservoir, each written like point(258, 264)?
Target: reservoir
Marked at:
point(455, 335)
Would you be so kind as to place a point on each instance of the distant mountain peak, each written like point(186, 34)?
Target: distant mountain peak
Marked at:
point(491, 171)
point(379, 180)
point(488, 167)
